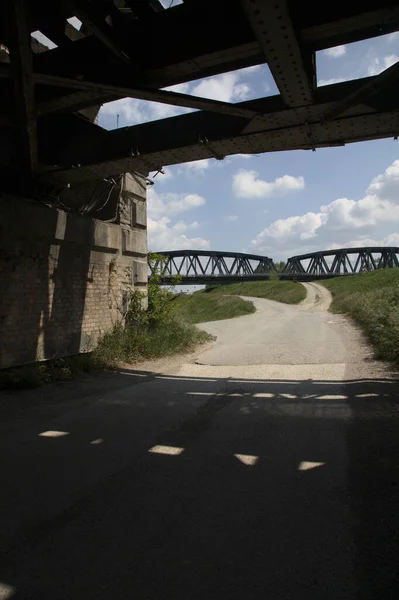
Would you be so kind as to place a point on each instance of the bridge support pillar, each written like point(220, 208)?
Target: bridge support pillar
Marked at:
point(64, 277)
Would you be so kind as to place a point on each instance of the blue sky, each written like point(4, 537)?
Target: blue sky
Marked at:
point(276, 204)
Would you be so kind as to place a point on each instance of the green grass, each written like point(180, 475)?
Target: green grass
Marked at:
point(128, 344)
point(372, 300)
point(281, 291)
point(201, 308)
point(134, 343)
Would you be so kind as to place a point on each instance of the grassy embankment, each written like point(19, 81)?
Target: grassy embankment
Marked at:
point(221, 302)
point(201, 308)
point(280, 291)
point(372, 300)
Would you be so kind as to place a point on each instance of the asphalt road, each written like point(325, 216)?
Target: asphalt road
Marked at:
point(265, 466)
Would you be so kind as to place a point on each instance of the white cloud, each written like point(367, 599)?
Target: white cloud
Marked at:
point(380, 64)
point(182, 226)
point(339, 221)
point(392, 37)
point(331, 81)
point(196, 166)
point(181, 88)
point(171, 203)
point(389, 240)
point(387, 184)
point(228, 87)
point(249, 70)
point(162, 235)
point(138, 111)
point(230, 218)
point(246, 184)
point(178, 204)
point(224, 87)
point(335, 52)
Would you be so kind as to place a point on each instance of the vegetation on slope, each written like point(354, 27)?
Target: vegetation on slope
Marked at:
point(201, 308)
point(372, 300)
point(280, 291)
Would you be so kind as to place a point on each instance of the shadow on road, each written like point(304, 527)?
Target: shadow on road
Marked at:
point(266, 489)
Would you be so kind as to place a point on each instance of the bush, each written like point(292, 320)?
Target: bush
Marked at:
point(152, 332)
point(61, 369)
point(372, 300)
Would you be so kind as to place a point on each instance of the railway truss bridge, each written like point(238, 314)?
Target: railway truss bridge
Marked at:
point(196, 267)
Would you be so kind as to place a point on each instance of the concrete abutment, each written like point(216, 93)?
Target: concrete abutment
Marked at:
point(65, 277)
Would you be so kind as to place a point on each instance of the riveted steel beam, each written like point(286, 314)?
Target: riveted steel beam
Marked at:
point(273, 28)
point(134, 156)
point(346, 28)
point(22, 72)
point(96, 90)
point(97, 25)
point(364, 92)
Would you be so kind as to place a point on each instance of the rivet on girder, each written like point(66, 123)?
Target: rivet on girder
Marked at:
point(310, 136)
point(215, 154)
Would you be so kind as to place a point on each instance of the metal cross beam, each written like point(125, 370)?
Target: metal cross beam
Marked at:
point(96, 90)
point(293, 73)
point(197, 136)
point(22, 72)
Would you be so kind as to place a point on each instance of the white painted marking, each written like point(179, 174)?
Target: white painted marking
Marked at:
point(171, 450)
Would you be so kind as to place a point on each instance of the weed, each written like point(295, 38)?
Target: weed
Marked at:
point(372, 300)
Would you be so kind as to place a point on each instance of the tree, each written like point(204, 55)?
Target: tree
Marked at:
point(280, 266)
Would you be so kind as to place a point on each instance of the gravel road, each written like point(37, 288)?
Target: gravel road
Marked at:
point(283, 334)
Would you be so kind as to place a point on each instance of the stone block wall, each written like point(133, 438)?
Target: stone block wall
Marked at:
point(65, 278)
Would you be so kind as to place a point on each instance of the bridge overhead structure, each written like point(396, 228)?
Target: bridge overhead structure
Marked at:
point(204, 267)
point(137, 48)
point(344, 261)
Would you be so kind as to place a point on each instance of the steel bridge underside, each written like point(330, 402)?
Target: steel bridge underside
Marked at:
point(137, 48)
point(218, 268)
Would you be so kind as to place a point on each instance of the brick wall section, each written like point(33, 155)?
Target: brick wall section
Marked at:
point(64, 277)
